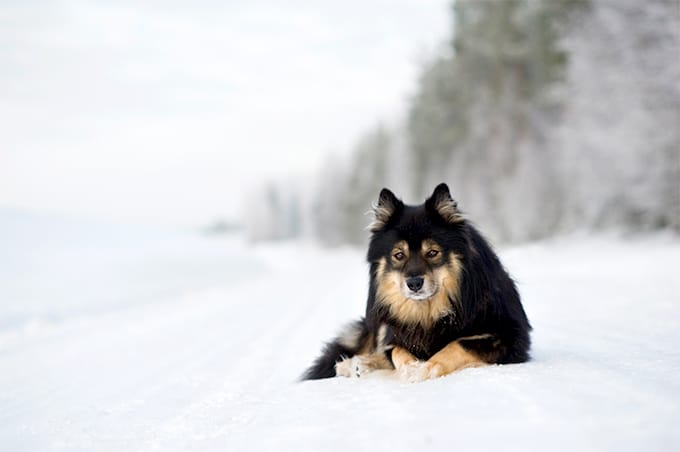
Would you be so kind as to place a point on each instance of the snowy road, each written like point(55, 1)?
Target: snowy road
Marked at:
point(184, 343)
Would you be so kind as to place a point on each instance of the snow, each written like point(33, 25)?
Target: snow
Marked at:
point(121, 338)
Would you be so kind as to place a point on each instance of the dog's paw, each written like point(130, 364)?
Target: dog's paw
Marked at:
point(343, 368)
point(353, 367)
point(420, 371)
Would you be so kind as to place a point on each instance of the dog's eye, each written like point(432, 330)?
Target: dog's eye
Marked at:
point(399, 256)
point(432, 253)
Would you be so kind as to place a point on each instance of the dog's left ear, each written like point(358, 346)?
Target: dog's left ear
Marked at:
point(442, 203)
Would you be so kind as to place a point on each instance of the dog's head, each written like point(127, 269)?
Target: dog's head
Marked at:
point(417, 255)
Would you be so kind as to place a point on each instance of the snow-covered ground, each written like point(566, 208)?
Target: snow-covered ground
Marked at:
point(115, 338)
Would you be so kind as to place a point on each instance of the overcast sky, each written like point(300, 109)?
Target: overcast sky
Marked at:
point(166, 112)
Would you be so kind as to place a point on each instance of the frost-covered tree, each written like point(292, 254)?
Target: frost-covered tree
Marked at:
point(483, 112)
point(619, 140)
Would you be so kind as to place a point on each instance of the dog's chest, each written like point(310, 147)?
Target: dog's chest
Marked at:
point(423, 342)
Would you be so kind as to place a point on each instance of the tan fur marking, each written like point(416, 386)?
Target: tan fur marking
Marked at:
point(402, 357)
point(376, 361)
point(451, 358)
point(423, 312)
point(448, 209)
point(429, 244)
point(451, 276)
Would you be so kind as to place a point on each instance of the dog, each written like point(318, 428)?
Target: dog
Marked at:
point(439, 299)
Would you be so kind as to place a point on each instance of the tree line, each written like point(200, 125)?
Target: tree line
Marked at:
point(542, 116)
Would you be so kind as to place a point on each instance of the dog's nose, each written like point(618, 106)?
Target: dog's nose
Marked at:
point(415, 283)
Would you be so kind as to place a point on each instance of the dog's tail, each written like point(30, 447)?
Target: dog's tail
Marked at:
point(351, 339)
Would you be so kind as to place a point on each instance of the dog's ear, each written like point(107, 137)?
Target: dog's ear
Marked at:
point(442, 203)
point(384, 210)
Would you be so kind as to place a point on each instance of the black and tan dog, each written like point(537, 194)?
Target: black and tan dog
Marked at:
point(439, 298)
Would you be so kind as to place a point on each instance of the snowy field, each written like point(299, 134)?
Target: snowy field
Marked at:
point(115, 338)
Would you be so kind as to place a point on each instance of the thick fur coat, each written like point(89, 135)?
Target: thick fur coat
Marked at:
point(439, 299)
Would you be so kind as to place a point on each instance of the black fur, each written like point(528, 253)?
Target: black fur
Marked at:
point(335, 351)
point(489, 303)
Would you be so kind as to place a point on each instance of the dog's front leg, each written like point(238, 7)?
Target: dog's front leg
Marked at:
point(449, 359)
point(402, 358)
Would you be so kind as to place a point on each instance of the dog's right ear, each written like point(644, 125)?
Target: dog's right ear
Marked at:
point(384, 210)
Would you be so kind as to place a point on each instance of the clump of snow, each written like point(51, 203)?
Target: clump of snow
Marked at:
point(212, 363)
